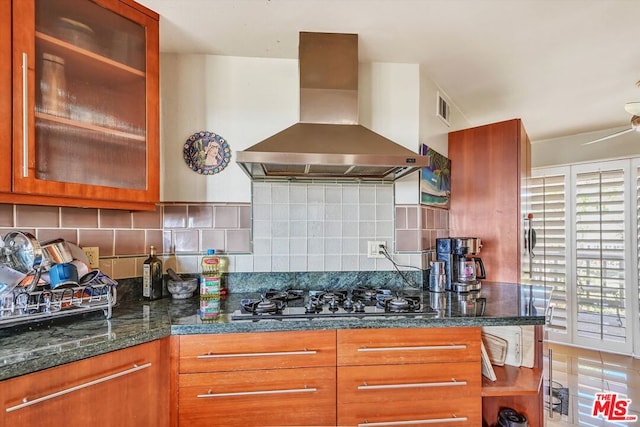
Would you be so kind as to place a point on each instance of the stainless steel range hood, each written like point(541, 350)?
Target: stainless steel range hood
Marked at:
point(328, 142)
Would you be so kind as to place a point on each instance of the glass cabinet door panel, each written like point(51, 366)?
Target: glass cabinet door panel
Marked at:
point(90, 96)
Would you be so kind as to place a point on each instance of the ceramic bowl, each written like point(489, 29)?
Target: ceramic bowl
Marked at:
point(182, 289)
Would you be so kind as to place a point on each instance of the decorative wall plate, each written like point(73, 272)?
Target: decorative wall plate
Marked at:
point(206, 153)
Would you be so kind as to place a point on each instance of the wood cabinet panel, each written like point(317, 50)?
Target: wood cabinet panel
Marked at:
point(402, 346)
point(489, 170)
point(265, 350)
point(272, 397)
point(121, 388)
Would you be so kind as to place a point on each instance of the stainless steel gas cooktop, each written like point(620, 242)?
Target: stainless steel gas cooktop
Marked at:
point(358, 302)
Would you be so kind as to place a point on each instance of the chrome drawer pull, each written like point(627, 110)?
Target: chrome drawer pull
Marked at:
point(411, 385)
point(26, 402)
point(254, 393)
point(453, 419)
point(25, 115)
point(418, 348)
point(276, 353)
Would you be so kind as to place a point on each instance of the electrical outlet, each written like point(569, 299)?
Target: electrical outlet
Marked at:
point(374, 250)
point(93, 254)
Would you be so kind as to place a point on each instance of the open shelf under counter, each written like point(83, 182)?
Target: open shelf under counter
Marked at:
point(513, 381)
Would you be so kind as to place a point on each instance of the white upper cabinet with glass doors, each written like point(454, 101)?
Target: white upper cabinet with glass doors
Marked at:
point(85, 109)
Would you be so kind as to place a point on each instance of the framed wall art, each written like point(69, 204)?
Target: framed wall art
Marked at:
point(435, 179)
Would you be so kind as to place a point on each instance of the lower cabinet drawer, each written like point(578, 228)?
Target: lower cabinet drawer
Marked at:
point(411, 394)
point(262, 350)
point(403, 346)
point(271, 397)
point(433, 412)
point(380, 384)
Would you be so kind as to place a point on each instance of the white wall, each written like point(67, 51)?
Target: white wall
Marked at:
point(567, 150)
point(242, 99)
point(248, 99)
point(434, 132)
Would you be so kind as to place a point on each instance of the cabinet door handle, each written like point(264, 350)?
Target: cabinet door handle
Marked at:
point(26, 402)
point(452, 419)
point(255, 393)
point(417, 348)
point(453, 382)
point(25, 115)
point(275, 353)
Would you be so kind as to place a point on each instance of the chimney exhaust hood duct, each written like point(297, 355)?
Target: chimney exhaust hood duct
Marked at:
point(328, 142)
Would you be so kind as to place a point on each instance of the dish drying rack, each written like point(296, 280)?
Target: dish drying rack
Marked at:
point(26, 307)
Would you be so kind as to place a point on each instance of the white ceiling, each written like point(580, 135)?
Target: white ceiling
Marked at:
point(563, 66)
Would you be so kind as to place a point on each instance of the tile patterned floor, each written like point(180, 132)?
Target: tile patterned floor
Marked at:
point(587, 372)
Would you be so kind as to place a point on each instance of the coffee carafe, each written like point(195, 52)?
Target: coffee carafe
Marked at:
point(470, 269)
point(462, 264)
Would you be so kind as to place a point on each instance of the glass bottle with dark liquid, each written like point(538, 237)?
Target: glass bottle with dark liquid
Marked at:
point(152, 276)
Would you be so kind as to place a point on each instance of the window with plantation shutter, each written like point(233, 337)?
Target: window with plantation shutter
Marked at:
point(601, 312)
point(547, 195)
point(587, 222)
point(637, 257)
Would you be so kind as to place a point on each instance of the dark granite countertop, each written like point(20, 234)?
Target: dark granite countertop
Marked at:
point(29, 348)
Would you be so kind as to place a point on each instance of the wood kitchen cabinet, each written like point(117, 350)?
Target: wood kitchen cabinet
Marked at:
point(256, 379)
point(490, 166)
point(409, 376)
point(85, 105)
point(5, 95)
point(122, 388)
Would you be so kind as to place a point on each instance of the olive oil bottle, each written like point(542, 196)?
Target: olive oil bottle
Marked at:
point(152, 276)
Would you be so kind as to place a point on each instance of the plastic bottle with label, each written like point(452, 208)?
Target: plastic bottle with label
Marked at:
point(210, 281)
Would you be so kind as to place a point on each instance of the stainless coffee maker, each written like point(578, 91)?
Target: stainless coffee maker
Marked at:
point(462, 265)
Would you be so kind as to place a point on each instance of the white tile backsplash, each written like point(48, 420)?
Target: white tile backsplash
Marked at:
point(315, 193)
point(298, 247)
point(315, 246)
point(298, 229)
point(262, 246)
point(262, 263)
point(280, 246)
point(280, 263)
point(333, 194)
point(298, 193)
point(315, 212)
point(280, 193)
point(315, 263)
point(280, 212)
point(280, 229)
point(261, 228)
point(367, 194)
point(333, 262)
point(298, 263)
point(384, 194)
point(320, 226)
point(243, 263)
point(367, 212)
point(298, 212)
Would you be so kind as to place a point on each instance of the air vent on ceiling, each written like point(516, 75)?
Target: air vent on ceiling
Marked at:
point(442, 109)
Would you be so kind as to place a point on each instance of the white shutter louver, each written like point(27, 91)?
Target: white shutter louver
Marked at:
point(549, 265)
point(600, 308)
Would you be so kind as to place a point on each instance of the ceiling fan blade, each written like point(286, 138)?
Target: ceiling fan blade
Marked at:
point(632, 108)
point(613, 135)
